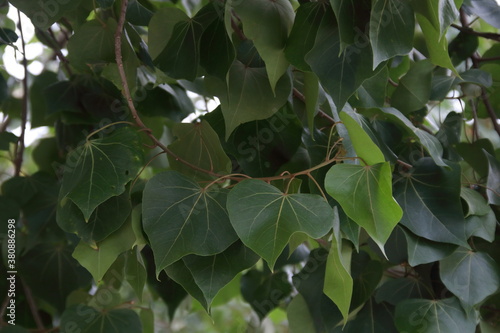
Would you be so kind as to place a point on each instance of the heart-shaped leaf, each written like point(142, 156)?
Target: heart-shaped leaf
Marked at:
point(182, 218)
point(265, 218)
point(365, 194)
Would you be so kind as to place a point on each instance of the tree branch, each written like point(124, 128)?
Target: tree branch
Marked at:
point(18, 160)
point(487, 35)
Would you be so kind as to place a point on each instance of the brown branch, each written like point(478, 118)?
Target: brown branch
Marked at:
point(18, 160)
point(32, 305)
point(56, 47)
point(237, 30)
point(487, 35)
point(488, 59)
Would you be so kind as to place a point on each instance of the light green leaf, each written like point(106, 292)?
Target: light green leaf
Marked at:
point(99, 170)
point(303, 34)
point(424, 251)
point(471, 276)
point(92, 43)
point(424, 315)
point(392, 23)
point(182, 218)
point(493, 183)
point(365, 148)
point(135, 271)
point(265, 218)
point(414, 89)
point(298, 316)
point(476, 204)
point(98, 260)
point(338, 281)
point(430, 198)
point(248, 96)
point(439, 13)
point(268, 24)
point(212, 273)
point(365, 194)
point(437, 46)
point(85, 319)
point(199, 145)
point(341, 74)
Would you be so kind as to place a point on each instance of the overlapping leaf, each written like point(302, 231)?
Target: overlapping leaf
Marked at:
point(199, 145)
point(99, 170)
point(430, 198)
point(365, 194)
point(424, 251)
point(493, 183)
point(89, 320)
point(181, 218)
point(265, 218)
point(471, 276)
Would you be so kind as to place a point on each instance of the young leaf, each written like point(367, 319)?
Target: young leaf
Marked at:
point(423, 315)
point(99, 170)
point(181, 218)
point(392, 23)
point(267, 24)
point(365, 194)
point(265, 218)
point(471, 276)
point(430, 198)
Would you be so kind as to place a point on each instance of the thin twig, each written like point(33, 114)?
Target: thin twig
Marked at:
point(487, 35)
point(18, 161)
point(54, 45)
point(32, 306)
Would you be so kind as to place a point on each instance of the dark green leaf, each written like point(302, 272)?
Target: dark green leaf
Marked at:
point(473, 154)
point(161, 28)
point(303, 34)
point(6, 138)
point(372, 92)
point(135, 271)
point(137, 14)
point(476, 204)
point(366, 275)
point(215, 40)
point(493, 183)
point(298, 315)
point(373, 317)
point(444, 316)
point(44, 13)
point(169, 101)
point(182, 218)
point(440, 13)
point(365, 194)
point(430, 198)
point(397, 290)
point(471, 276)
point(199, 145)
point(424, 251)
point(105, 3)
point(265, 218)
point(19, 189)
point(482, 226)
point(99, 170)
point(85, 319)
point(392, 24)
point(7, 36)
point(179, 273)
point(39, 103)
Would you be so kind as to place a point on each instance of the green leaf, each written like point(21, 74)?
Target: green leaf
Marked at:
point(397, 290)
point(303, 34)
point(179, 273)
point(212, 273)
point(311, 95)
point(6, 138)
point(106, 218)
point(161, 28)
point(414, 89)
point(493, 183)
point(92, 43)
point(248, 96)
point(199, 145)
point(215, 40)
point(298, 315)
point(39, 105)
point(436, 45)
point(440, 13)
point(341, 74)
point(424, 251)
point(488, 10)
point(366, 274)
point(365, 194)
point(443, 316)
point(85, 319)
point(182, 218)
point(476, 204)
point(44, 13)
point(365, 148)
point(482, 226)
point(392, 24)
point(52, 273)
point(99, 170)
point(373, 317)
point(473, 154)
point(137, 14)
point(7, 37)
point(265, 218)
point(471, 276)
point(430, 198)
point(338, 281)
point(135, 271)
point(268, 24)
point(180, 57)
point(428, 141)
point(99, 259)
point(372, 92)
